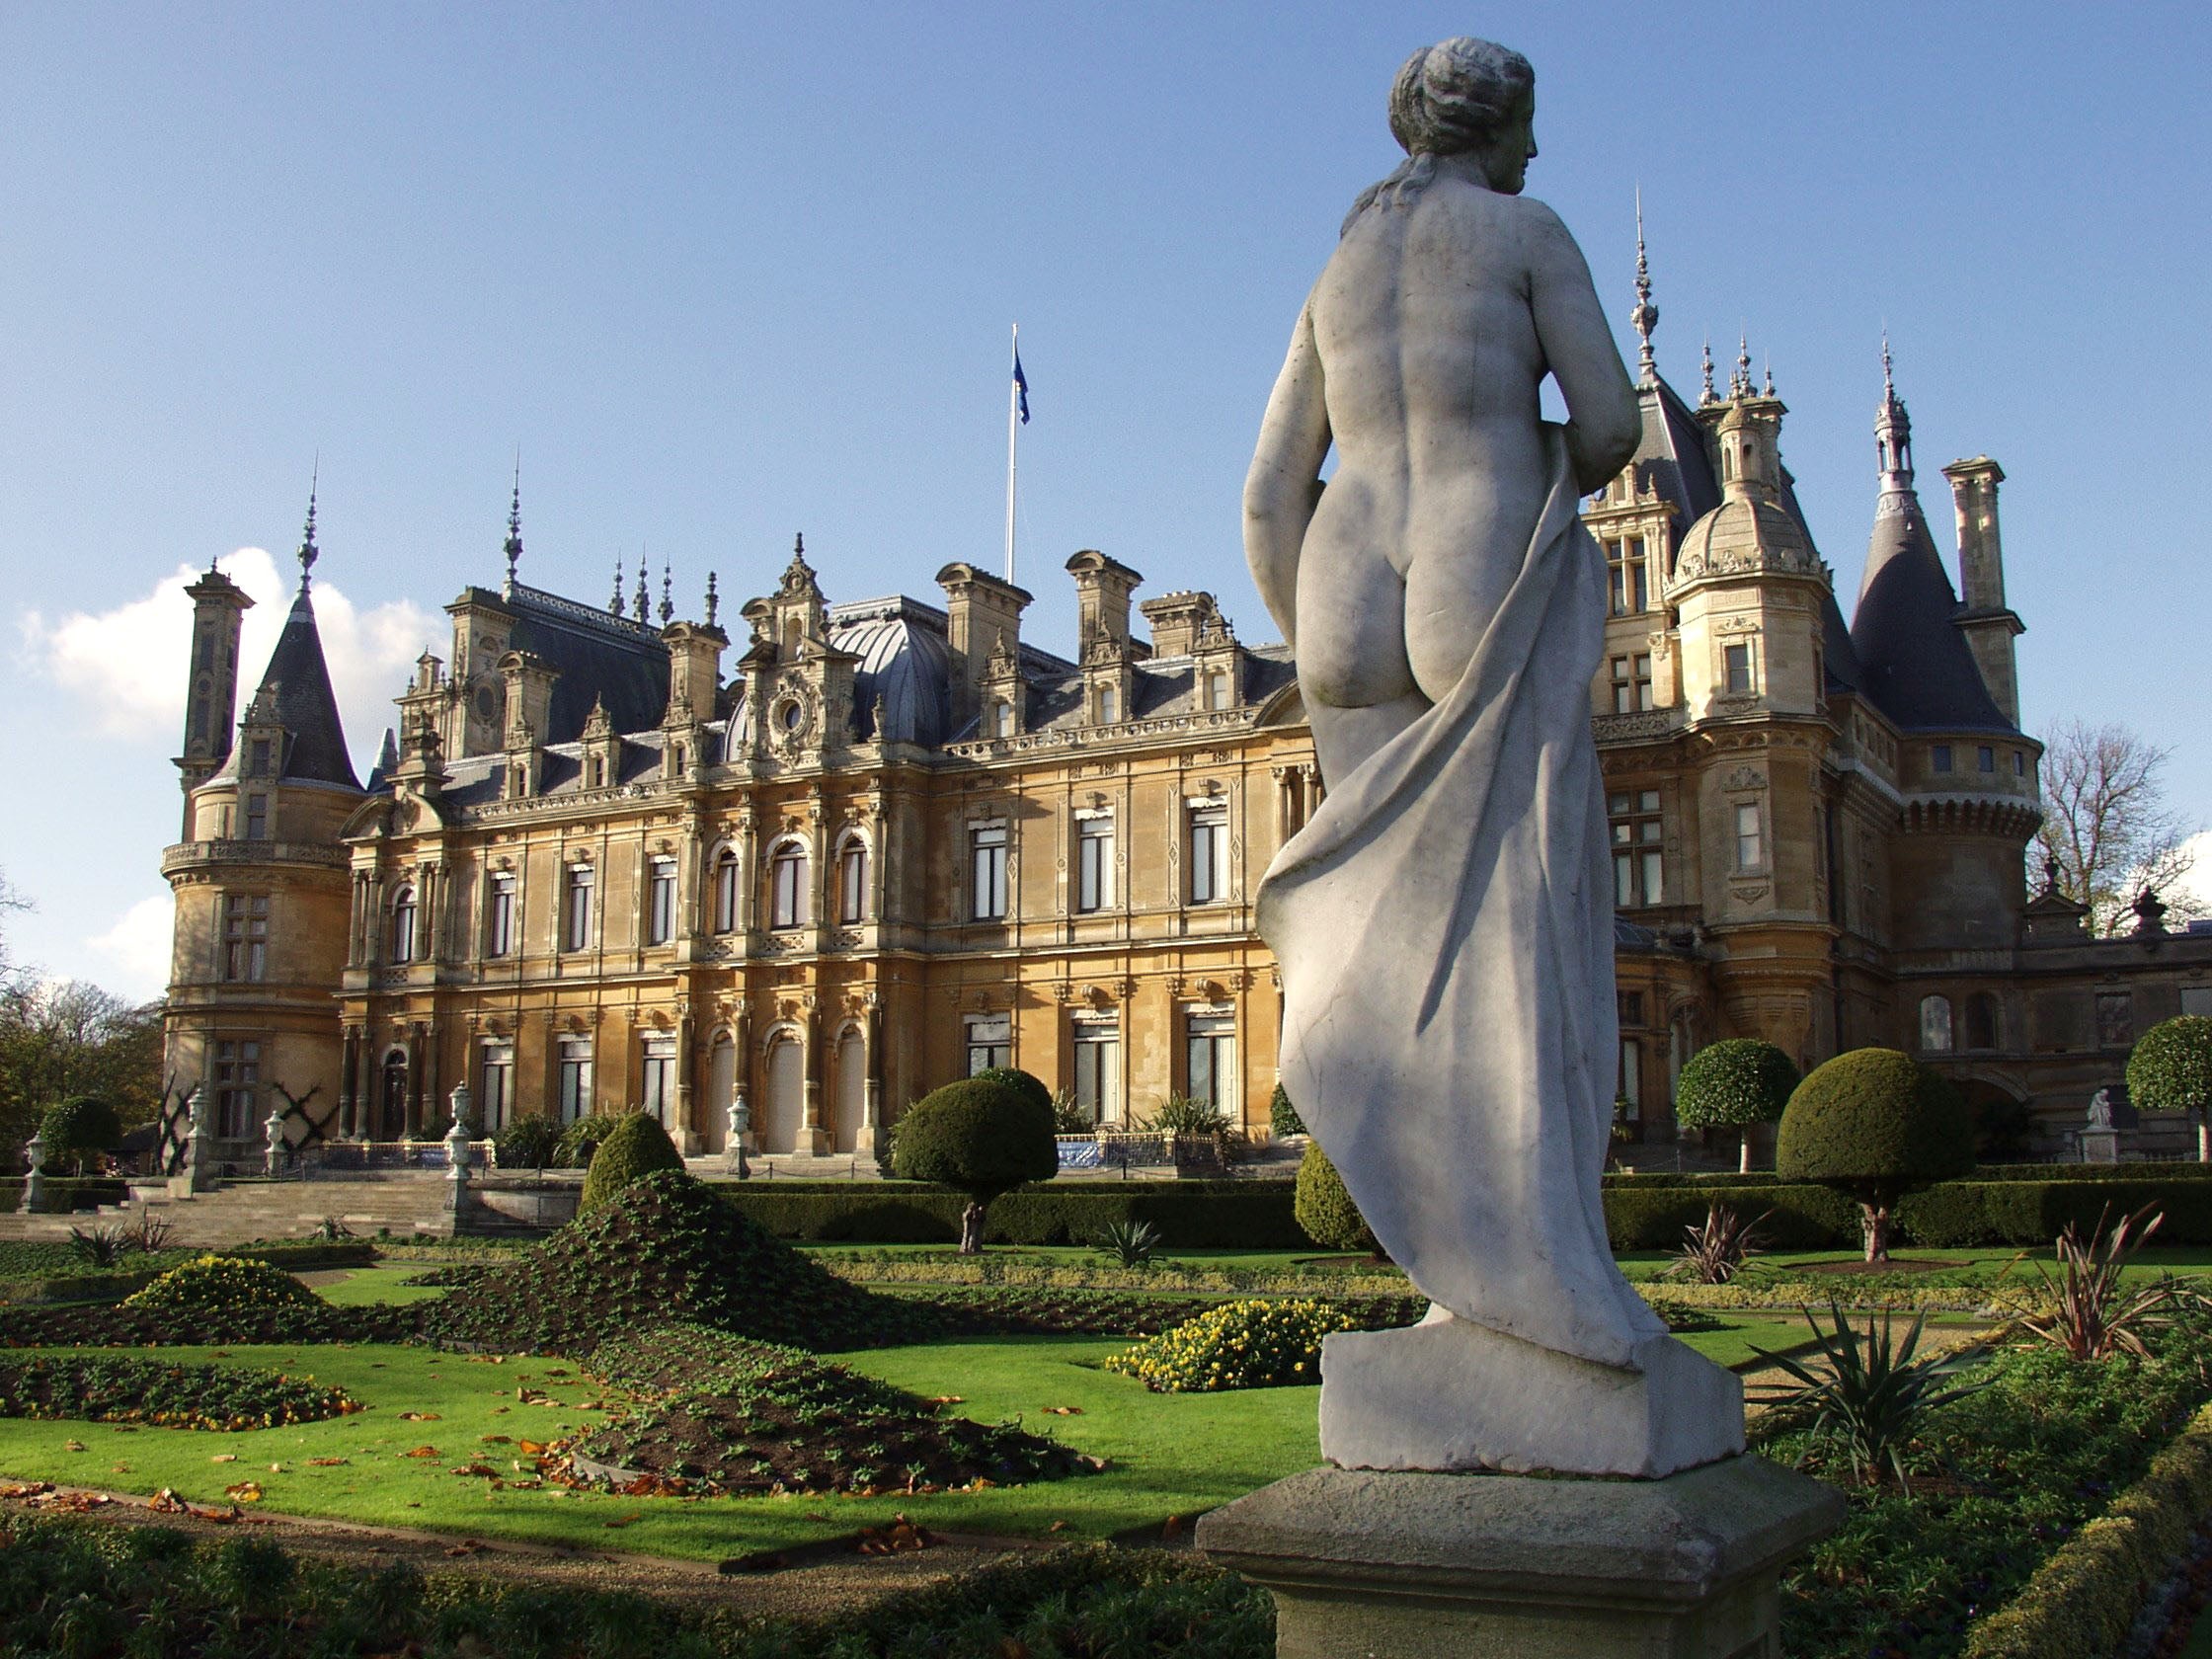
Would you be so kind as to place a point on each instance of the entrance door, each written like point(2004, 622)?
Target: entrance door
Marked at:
point(394, 1114)
point(722, 1085)
point(853, 1092)
point(785, 1109)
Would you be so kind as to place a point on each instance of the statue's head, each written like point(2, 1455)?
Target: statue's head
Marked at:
point(1473, 98)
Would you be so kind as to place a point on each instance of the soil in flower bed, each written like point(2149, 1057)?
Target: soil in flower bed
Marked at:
point(146, 1327)
point(448, 1277)
point(1895, 1264)
point(114, 1388)
point(716, 1413)
point(664, 1249)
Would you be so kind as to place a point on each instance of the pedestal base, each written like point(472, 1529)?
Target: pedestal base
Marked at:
point(1448, 1394)
point(1371, 1565)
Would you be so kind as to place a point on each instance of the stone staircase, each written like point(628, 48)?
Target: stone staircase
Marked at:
point(234, 1211)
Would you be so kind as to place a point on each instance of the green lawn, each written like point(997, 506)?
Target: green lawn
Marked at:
point(362, 1286)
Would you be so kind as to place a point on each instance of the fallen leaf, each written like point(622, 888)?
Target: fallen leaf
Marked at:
point(949, 1399)
point(418, 1417)
point(468, 1546)
point(1173, 1527)
point(224, 1458)
point(501, 1410)
point(166, 1502)
point(327, 1463)
point(530, 1448)
point(421, 1452)
point(1064, 1411)
point(624, 1521)
point(26, 1489)
point(484, 1469)
point(276, 1468)
point(72, 1445)
point(1057, 1527)
point(496, 1440)
point(121, 1468)
point(246, 1491)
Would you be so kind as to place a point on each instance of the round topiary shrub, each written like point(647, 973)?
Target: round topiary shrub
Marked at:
point(2171, 1070)
point(1262, 1343)
point(224, 1284)
point(530, 1143)
point(637, 1145)
point(982, 1135)
point(1736, 1084)
point(1014, 1077)
point(1876, 1124)
point(79, 1128)
point(1282, 1120)
point(1324, 1209)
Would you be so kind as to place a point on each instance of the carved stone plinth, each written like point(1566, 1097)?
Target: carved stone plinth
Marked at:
point(1365, 1564)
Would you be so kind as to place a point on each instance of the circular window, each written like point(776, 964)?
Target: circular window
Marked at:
point(789, 714)
point(487, 702)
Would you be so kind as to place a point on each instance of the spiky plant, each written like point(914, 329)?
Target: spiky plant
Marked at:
point(2090, 1312)
point(1872, 1393)
point(1716, 1251)
point(99, 1247)
point(1132, 1243)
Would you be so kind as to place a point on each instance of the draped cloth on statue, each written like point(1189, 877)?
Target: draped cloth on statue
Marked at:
point(1445, 925)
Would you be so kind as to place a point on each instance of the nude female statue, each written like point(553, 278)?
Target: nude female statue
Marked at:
point(1419, 353)
point(1443, 922)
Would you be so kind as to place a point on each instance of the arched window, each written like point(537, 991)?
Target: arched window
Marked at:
point(576, 922)
point(1936, 1024)
point(726, 891)
point(403, 925)
point(852, 880)
point(787, 886)
point(1983, 1022)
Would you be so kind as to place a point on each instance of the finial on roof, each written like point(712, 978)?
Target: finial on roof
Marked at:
point(1889, 385)
point(308, 551)
point(667, 605)
point(614, 605)
point(1645, 317)
point(1739, 383)
point(645, 595)
point(1893, 433)
point(714, 599)
point(1708, 395)
point(515, 525)
point(1769, 374)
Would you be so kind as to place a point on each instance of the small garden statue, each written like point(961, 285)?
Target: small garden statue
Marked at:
point(456, 1147)
point(739, 1126)
point(273, 1127)
point(35, 1179)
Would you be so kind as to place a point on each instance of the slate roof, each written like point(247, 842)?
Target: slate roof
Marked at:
point(601, 658)
point(1913, 663)
point(297, 681)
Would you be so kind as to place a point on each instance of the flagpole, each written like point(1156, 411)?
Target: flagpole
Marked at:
point(1013, 425)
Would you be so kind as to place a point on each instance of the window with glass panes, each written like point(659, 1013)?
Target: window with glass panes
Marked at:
point(1631, 682)
point(1638, 864)
point(1098, 1069)
point(852, 881)
point(659, 902)
point(576, 921)
point(257, 818)
point(499, 919)
point(990, 1042)
point(1628, 577)
point(787, 887)
point(1750, 847)
point(1736, 664)
point(1095, 863)
point(987, 872)
point(1209, 1059)
point(575, 1078)
point(237, 1090)
point(656, 1090)
point(246, 936)
point(1208, 854)
point(495, 1096)
point(403, 925)
point(726, 893)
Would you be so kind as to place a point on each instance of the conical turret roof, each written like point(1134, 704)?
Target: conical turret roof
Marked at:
point(297, 684)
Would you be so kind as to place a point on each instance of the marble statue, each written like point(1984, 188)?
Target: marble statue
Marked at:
point(1445, 920)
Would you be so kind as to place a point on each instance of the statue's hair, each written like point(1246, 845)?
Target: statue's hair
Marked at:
point(1449, 99)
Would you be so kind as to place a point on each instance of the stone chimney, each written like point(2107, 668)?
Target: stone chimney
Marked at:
point(1178, 620)
point(980, 611)
point(1102, 590)
point(1989, 624)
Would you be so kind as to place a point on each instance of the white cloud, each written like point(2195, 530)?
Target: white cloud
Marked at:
point(2195, 888)
point(138, 945)
point(126, 665)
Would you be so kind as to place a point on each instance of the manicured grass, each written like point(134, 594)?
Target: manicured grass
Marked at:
point(364, 1285)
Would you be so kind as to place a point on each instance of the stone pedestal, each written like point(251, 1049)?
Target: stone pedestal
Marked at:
point(1365, 1564)
point(2101, 1146)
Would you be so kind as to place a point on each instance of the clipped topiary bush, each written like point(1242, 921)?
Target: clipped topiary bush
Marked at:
point(636, 1147)
point(224, 1284)
point(2171, 1070)
point(1258, 1343)
point(1281, 1117)
point(1324, 1208)
point(80, 1128)
point(580, 1139)
point(1876, 1124)
point(982, 1135)
point(1014, 1077)
point(531, 1143)
point(1734, 1084)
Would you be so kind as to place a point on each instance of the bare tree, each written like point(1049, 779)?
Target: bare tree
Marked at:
point(2107, 825)
point(11, 900)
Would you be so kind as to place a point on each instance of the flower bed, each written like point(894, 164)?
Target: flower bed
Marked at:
point(115, 1388)
point(1253, 1344)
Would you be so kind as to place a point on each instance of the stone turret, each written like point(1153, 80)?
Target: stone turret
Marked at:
point(1989, 624)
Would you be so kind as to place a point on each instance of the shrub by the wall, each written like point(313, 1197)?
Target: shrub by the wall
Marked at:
point(1190, 1215)
point(982, 1135)
point(1325, 1210)
point(78, 1130)
point(1800, 1215)
point(1281, 1117)
point(1733, 1084)
point(1876, 1124)
point(636, 1147)
point(528, 1142)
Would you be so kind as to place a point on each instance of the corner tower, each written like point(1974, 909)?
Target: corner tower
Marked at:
point(219, 616)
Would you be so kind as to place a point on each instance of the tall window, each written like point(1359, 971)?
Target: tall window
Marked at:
point(852, 881)
point(403, 925)
point(1751, 849)
point(1939, 757)
point(987, 872)
point(1936, 1024)
point(1631, 682)
point(257, 758)
point(1629, 1091)
point(246, 936)
point(1109, 706)
point(658, 1085)
point(494, 1099)
point(1638, 864)
point(237, 1090)
point(787, 887)
point(1981, 1020)
point(1003, 720)
point(1098, 1069)
point(659, 902)
point(1625, 564)
point(1209, 1059)
point(575, 1078)
point(1094, 864)
point(1208, 854)
point(1217, 689)
point(576, 917)
point(257, 818)
point(726, 891)
point(1736, 660)
point(990, 1042)
point(1985, 758)
point(499, 919)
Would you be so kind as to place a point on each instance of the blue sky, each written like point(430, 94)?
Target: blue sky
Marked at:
point(722, 274)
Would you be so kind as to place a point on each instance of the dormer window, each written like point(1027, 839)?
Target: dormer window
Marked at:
point(257, 757)
point(1217, 689)
point(1109, 706)
point(1003, 720)
point(1939, 758)
point(595, 773)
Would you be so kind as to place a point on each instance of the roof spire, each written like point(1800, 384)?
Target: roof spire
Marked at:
point(1645, 317)
point(308, 551)
point(1893, 437)
point(1739, 382)
point(645, 596)
point(1770, 392)
point(1707, 395)
point(714, 599)
point(667, 605)
point(513, 547)
point(614, 605)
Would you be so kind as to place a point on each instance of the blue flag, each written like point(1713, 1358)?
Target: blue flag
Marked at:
point(1021, 389)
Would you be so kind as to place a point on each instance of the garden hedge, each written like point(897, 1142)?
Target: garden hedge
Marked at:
point(2085, 1598)
point(1190, 1215)
point(1800, 1215)
point(62, 1194)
